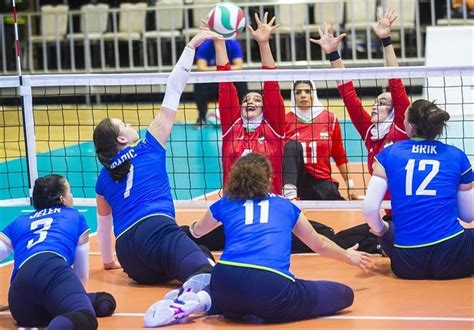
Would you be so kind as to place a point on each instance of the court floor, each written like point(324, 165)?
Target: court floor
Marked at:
point(381, 300)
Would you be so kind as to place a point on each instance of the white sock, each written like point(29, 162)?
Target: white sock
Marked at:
point(289, 191)
point(205, 301)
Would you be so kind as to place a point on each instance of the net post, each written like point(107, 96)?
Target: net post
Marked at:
point(29, 132)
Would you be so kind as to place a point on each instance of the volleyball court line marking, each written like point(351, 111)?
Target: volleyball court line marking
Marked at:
point(355, 317)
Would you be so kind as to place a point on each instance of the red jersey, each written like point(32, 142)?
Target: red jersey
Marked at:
point(321, 139)
point(361, 118)
point(266, 139)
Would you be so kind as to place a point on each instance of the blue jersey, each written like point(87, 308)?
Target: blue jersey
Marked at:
point(257, 232)
point(55, 230)
point(423, 178)
point(145, 191)
point(206, 51)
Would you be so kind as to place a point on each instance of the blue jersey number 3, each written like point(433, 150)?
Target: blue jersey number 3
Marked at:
point(44, 225)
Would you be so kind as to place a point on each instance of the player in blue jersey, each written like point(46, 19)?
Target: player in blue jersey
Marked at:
point(45, 290)
point(252, 277)
point(133, 193)
point(431, 187)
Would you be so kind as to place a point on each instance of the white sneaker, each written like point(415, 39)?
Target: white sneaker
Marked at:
point(193, 284)
point(167, 311)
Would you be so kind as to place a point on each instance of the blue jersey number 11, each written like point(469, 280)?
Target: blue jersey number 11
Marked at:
point(264, 206)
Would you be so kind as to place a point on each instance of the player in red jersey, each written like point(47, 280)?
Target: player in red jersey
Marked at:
point(256, 125)
point(313, 136)
point(384, 125)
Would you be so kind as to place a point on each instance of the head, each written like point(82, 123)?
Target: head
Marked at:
point(111, 136)
point(425, 120)
point(303, 94)
point(381, 108)
point(252, 106)
point(250, 178)
point(50, 191)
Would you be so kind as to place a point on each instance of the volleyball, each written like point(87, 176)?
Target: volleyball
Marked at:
point(227, 20)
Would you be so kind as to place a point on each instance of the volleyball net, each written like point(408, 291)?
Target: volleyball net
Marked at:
point(47, 121)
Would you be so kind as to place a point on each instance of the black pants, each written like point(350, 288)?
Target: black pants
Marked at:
point(309, 188)
point(208, 92)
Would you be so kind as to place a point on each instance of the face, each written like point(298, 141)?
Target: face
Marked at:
point(252, 106)
point(381, 108)
point(303, 96)
point(127, 135)
point(409, 128)
point(67, 197)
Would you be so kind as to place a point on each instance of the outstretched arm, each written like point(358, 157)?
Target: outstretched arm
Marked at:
point(104, 233)
point(328, 248)
point(273, 106)
point(161, 126)
point(382, 29)
point(203, 226)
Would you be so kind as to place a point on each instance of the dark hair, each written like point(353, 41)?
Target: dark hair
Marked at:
point(307, 82)
point(249, 178)
point(428, 119)
point(107, 146)
point(250, 92)
point(48, 190)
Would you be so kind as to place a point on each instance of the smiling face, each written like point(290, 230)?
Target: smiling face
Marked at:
point(303, 96)
point(252, 106)
point(127, 135)
point(381, 108)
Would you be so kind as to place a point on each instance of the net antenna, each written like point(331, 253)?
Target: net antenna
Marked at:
point(27, 113)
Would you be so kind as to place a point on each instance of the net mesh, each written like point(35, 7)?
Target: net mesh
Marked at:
point(66, 109)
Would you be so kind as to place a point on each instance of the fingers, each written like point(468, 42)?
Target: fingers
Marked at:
point(257, 19)
point(341, 36)
point(274, 27)
point(355, 247)
point(265, 17)
point(315, 41)
point(204, 22)
point(250, 28)
point(272, 21)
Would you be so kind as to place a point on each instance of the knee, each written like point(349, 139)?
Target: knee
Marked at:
point(104, 304)
point(81, 320)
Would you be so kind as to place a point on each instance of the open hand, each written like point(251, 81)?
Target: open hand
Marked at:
point(328, 42)
point(264, 28)
point(359, 258)
point(383, 26)
point(203, 34)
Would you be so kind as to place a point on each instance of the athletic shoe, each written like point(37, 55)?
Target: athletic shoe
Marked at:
point(167, 311)
point(194, 284)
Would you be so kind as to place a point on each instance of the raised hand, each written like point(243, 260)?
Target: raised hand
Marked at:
point(359, 258)
point(203, 34)
point(384, 24)
point(328, 42)
point(264, 28)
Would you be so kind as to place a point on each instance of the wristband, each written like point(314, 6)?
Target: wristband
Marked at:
point(386, 41)
point(333, 56)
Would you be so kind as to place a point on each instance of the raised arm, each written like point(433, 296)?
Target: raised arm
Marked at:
point(273, 105)
point(399, 96)
point(161, 126)
point(329, 44)
point(229, 104)
point(318, 243)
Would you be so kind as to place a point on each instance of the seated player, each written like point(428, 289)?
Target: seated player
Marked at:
point(45, 291)
point(252, 277)
point(431, 187)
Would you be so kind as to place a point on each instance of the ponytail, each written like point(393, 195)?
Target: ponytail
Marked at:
point(428, 119)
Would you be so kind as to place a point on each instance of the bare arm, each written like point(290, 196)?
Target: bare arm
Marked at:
point(201, 65)
point(328, 248)
point(203, 226)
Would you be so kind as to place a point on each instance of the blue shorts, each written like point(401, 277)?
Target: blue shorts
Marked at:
point(156, 250)
point(45, 287)
point(240, 292)
point(453, 258)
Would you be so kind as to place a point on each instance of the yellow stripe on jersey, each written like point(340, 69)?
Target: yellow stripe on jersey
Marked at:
point(428, 244)
point(239, 264)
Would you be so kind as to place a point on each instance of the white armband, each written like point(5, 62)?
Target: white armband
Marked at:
point(104, 234)
point(178, 79)
point(466, 205)
point(372, 202)
point(81, 262)
point(4, 250)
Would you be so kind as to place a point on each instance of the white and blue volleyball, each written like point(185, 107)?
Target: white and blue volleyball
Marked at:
point(227, 20)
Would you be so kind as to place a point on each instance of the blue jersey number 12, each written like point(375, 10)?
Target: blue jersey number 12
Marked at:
point(410, 169)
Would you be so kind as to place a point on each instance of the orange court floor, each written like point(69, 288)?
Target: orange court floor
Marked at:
point(382, 301)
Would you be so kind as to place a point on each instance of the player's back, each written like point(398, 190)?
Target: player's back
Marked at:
point(55, 229)
point(258, 232)
point(423, 177)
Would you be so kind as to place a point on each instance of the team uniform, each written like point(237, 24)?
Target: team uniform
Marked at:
point(150, 246)
point(361, 119)
point(266, 139)
point(307, 159)
point(252, 277)
point(428, 240)
point(43, 285)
